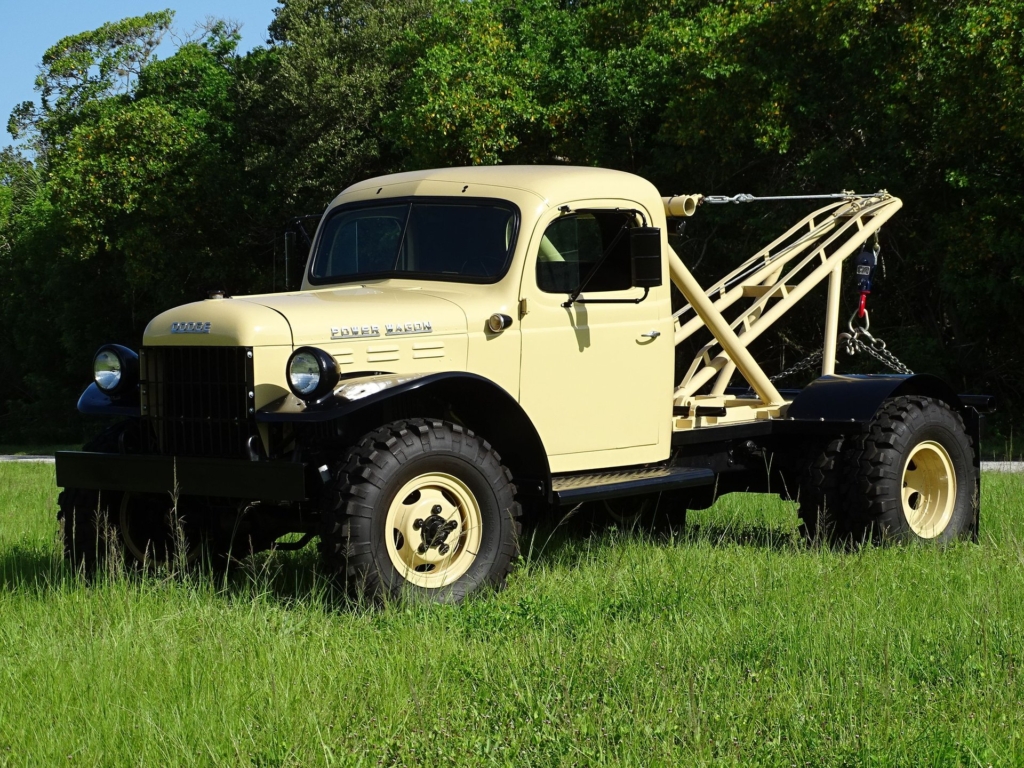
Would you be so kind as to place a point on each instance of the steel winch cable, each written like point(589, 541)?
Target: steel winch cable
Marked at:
point(815, 233)
point(745, 198)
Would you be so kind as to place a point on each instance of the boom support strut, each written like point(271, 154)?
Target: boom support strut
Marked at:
point(812, 249)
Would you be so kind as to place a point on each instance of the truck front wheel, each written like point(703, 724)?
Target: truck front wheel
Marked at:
point(142, 529)
point(912, 477)
point(422, 508)
point(89, 518)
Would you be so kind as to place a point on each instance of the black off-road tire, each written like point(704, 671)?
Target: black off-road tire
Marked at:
point(363, 484)
point(874, 473)
point(823, 518)
point(88, 518)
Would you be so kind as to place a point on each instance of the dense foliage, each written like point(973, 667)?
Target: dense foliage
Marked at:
point(141, 183)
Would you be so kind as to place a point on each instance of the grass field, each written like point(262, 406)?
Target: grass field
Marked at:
point(731, 643)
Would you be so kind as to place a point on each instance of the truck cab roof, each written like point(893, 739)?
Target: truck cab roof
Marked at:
point(552, 184)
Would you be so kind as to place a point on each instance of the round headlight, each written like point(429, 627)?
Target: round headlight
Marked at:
point(304, 374)
point(312, 373)
point(107, 368)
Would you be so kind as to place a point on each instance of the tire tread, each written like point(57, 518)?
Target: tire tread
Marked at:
point(345, 542)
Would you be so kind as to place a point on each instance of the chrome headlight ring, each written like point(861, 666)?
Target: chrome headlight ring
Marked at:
point(312, 373)
point(115, 369)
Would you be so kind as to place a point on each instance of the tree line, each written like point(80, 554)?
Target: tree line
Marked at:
point(135, 183)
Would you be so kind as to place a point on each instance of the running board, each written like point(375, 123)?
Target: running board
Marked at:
point(575, 489)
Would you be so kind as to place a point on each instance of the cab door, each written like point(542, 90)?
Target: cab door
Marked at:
point(596, 376)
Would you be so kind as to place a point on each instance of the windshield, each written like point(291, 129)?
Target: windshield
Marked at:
point(467, 241)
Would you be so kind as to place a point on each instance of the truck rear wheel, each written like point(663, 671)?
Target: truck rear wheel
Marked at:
point(911, 477)
point(421, 508)
point(820, 507)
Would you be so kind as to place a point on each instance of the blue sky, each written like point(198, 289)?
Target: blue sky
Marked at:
point(29, 27)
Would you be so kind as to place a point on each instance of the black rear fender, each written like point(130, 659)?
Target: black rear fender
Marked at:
point(846, 403)
point(857, 398)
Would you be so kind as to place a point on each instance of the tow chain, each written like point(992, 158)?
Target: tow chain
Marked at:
point(811, 361)
point(745, 198)
point(852, 343)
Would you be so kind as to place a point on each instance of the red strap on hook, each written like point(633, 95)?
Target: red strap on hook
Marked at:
point(862, 307)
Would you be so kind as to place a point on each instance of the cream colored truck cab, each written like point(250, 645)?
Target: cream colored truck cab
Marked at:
point(465, 340)
point(556, 361)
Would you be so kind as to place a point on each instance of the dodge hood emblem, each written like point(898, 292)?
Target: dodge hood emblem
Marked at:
point(199, 326)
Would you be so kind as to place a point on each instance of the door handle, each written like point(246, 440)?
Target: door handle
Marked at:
point(651, 334)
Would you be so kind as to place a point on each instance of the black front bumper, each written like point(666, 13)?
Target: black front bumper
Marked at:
point(230, 478)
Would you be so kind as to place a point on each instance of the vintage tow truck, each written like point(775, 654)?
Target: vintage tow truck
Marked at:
point(469, 340)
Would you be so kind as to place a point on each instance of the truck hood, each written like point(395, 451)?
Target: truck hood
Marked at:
point(352, 313)
point(219, 323)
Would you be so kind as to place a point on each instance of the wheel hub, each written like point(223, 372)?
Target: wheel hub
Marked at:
point(433, 530)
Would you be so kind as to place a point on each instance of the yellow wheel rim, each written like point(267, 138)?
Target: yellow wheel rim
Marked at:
point(156, 551)
point(433, 530)
point(929, 489)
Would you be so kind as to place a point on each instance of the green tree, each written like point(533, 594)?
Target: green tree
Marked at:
point(315, 103)
point(146, 182)
point(142, 203)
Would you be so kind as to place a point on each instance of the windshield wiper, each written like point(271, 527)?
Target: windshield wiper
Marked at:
point(575, 295)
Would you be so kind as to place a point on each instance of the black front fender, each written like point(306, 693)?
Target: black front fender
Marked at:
point(124, 399)
point(95, 402)
point(348, 397)
point(478, 403)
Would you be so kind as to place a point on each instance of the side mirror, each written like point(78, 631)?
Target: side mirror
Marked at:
point(645, 256)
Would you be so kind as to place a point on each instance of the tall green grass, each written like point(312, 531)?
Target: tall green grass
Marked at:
point(731, 642)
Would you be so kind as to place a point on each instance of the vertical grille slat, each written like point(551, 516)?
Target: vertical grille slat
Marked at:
point(197, 400)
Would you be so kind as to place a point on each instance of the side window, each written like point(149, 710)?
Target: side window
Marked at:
point(574, 244)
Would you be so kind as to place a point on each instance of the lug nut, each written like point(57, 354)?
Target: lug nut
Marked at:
point(443, 549)
point(437, 509)
point(422, 549)
point(417, 524)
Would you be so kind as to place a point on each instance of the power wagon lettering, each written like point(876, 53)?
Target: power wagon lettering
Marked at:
point(351, 331)
point(400, 329)
point(390, 329)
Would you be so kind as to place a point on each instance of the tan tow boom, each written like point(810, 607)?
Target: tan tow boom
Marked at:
point(812, 250)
